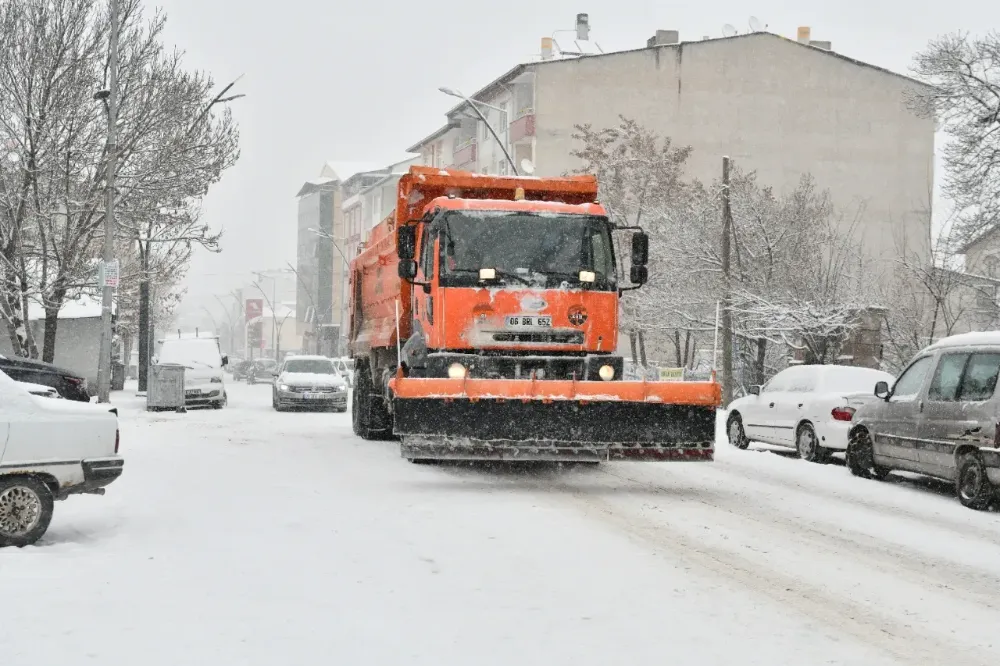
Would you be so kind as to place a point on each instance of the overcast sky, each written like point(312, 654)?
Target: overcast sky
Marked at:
point(357, 81)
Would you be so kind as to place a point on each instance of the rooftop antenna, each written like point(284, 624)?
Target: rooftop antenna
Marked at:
point(729, 30)
point(755, 24)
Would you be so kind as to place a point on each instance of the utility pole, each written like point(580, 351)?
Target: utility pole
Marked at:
point(727, 289)
point(104, 362)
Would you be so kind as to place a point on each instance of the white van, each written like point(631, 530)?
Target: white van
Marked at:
point(203, 361)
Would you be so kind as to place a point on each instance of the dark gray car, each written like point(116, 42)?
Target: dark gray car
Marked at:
point(939, 419)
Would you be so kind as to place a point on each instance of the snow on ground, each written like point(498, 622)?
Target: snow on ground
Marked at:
point(247, 537)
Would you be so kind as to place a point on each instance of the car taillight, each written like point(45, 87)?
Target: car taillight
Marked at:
point(74, 380)
point(842, 413)
point(118, 438)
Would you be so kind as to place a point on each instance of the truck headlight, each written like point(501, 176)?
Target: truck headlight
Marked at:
point(456, 371)
point(606, 372)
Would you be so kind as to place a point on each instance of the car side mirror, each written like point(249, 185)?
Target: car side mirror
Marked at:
point(638, 274)
point(882, 390)
point(754, 390)
point(225, 360)
point(406, 242)
point(407, 269)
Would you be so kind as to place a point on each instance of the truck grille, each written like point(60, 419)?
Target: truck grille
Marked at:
point(568, 338)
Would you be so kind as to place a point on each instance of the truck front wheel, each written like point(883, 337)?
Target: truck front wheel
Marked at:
point(25, 510)
point(370, 418)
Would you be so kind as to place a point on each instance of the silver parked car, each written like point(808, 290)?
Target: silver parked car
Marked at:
point(940, 419)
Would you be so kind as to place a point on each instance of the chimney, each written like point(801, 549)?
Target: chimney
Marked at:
point(826, 46)
point(582, 27)
point(804, 33)
point(663, 38)
point(546, 48)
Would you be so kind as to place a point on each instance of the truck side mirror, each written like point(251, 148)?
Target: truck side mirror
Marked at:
point(406, 243)
point(225, 360)
point(640, 250)
point(407, 269)
point(638, 274)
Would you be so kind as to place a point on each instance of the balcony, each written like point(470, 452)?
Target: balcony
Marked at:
point(523, 127)
point(465, 153)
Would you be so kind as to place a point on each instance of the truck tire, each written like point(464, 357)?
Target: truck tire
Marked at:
point(370, 418)
point(25, 510)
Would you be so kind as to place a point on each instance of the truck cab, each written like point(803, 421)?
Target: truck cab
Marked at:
point(512, 289)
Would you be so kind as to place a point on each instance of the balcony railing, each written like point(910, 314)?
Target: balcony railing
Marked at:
point(465, 153)
point(523, 127)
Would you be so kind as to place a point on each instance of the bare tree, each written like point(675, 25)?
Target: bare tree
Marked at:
point(963, 74)
point(172, 145)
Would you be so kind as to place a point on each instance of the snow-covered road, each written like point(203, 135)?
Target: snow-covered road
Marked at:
point(246, 537)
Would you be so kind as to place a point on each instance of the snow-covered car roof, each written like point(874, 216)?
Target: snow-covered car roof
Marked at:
point(978, 339)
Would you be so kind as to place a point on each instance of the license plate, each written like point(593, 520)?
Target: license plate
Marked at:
point(193, 392)
point(529, 321)
point(313, 396)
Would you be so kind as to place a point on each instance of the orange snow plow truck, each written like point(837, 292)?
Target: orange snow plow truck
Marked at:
point(484, 326)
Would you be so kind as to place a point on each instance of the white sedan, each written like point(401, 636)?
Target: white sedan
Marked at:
point(805, 407)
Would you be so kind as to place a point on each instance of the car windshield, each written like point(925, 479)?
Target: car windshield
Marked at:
point(853, 380)
point(544, 250)
point(195, 353)
point(314, 366)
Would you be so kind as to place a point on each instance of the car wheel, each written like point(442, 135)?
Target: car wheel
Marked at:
point(25, 511)
point(807, 444)
point(737, 436)
point(861, 457)
point(972, 486)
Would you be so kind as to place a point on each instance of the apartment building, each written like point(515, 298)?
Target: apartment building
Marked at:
point(783, 107)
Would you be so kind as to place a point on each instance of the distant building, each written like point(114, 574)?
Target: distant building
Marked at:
point(369, 198)
point(775, 105)
point(319, 263)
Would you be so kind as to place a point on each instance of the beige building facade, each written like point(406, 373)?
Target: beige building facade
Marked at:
point(780, 107)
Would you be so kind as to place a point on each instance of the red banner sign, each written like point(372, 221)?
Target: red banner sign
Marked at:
point(255, 308)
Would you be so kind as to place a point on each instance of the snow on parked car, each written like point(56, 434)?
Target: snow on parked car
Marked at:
point(54, 449)
point(40, 390)
point(806, 407)
point(309, 381)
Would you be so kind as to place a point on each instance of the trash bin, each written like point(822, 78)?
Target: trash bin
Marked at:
point(166, 388)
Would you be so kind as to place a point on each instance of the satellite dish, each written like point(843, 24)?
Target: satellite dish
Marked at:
point(729, 30)
point(527, 167)
point(754, 24)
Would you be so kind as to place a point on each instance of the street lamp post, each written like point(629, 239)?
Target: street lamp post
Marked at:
point(475, 107)
point(108, 254)
point(343, 278)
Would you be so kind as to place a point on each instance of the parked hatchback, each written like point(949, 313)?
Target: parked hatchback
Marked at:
point(941, 418)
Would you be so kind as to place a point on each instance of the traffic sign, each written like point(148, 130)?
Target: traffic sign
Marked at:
point(109, 274)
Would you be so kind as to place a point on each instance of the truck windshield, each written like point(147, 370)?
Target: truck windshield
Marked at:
point(540, 250)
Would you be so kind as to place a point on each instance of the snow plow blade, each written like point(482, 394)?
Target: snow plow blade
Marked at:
point(500, 419)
